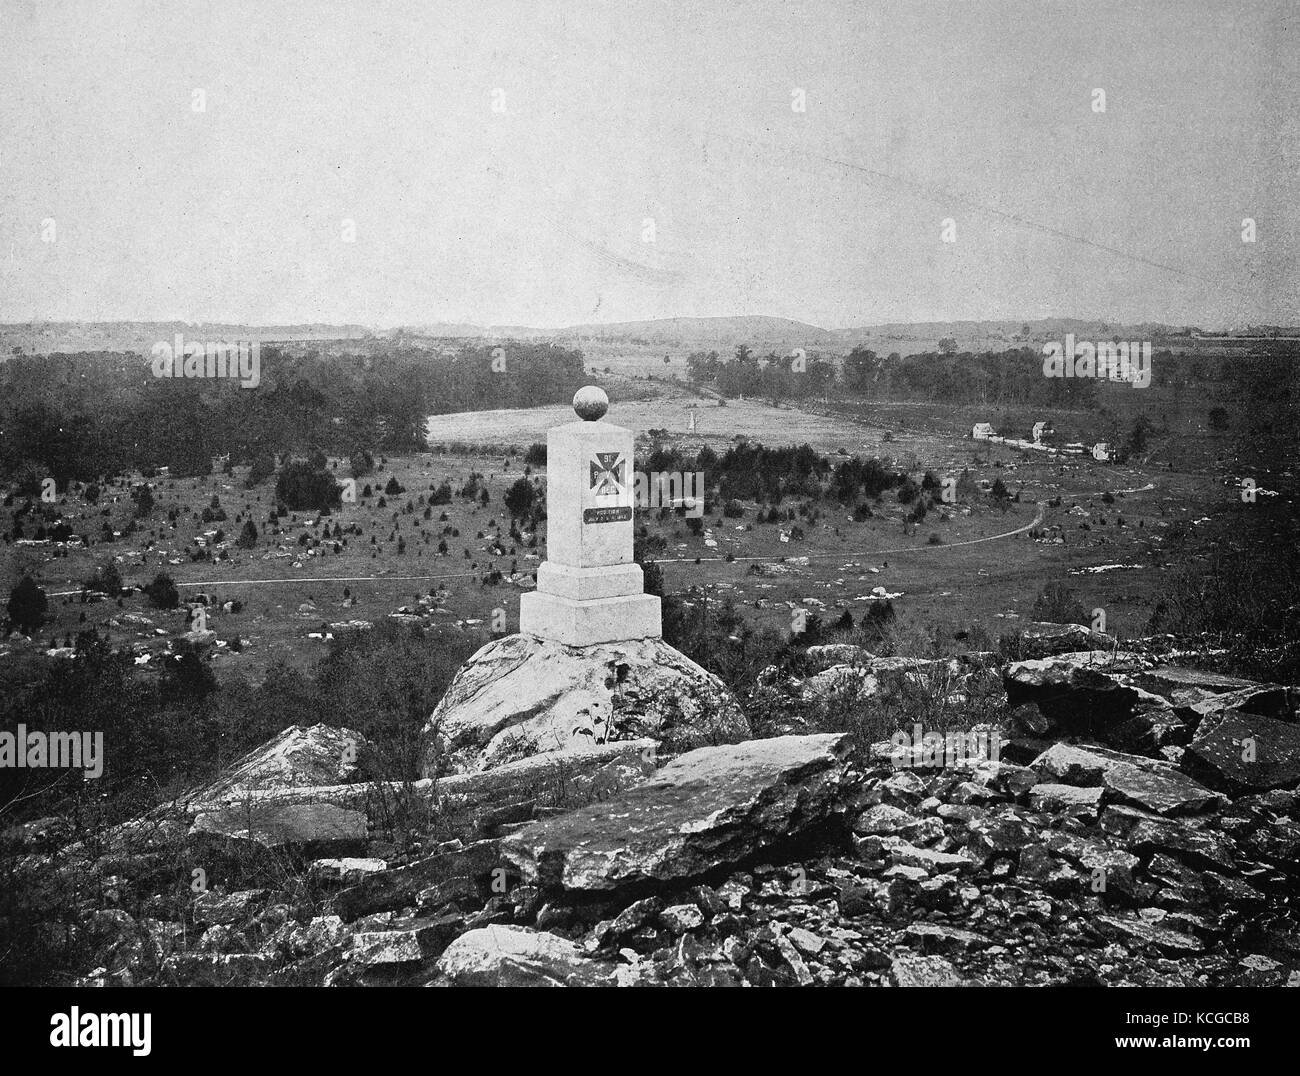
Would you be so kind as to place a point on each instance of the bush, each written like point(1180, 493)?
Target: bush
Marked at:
point(306, 488)
point(106, 578)
point(519, 498)
point(1057, 604)
point(162, 592)
point(143, 500)
point(27, 605)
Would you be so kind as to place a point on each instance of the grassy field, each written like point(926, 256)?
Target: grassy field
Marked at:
point(963, 568)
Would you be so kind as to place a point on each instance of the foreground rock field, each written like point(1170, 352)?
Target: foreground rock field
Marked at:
point(1138, 825)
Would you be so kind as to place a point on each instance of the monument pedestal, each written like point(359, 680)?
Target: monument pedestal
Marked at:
point(589, 589)
point(585, 622)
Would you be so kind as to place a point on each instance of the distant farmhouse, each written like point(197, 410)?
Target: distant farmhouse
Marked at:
point(982, 431)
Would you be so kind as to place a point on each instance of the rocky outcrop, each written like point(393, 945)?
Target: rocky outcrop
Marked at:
point(709, 808)
point(522, 696)
point(1152, 837)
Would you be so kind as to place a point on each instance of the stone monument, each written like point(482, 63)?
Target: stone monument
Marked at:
point(589, 589)
point(589, 665)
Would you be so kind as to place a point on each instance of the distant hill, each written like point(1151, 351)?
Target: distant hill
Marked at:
point(720, 333)
point(980, 335)
point(48, 337)
point(753, 329)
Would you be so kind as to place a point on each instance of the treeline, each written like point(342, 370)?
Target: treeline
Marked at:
point(1009, 378)
point(83, 416)
point(754, 472)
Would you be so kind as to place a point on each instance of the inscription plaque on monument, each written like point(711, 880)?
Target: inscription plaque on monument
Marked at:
point(606, 515)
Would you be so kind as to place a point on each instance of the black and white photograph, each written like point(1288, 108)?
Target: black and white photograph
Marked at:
point(737, 494)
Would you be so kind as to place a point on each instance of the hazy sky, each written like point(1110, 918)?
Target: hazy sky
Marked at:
point(620, 113)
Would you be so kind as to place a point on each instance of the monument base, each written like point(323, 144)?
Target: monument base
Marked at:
point(595, 620)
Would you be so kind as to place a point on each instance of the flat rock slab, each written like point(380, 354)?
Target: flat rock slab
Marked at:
point(522, 696)
point(405, 942)
point(1271, 700)
point(1168, 678)
point(384, 890)
point(1164, 793)
point(924, 971)
point(1056, 797)
point(517, 956)
point(1072, 765)
point(1153, 933)
point(936, 937)
point(274, 825)
point(711, 807)
point(1246, 751)
point(1088, 764)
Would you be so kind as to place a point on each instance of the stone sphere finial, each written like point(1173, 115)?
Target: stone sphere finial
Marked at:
point(590, 403)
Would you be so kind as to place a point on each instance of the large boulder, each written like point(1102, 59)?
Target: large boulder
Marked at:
point(711, 807)
point(521, 696)
point(1081, 691)
point(517, 956)
point(298, 757)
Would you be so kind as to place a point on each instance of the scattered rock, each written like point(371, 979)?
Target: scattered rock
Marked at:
point(226, 908)
point(679, 918)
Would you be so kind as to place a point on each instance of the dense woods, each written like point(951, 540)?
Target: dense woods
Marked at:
point(77, 417)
